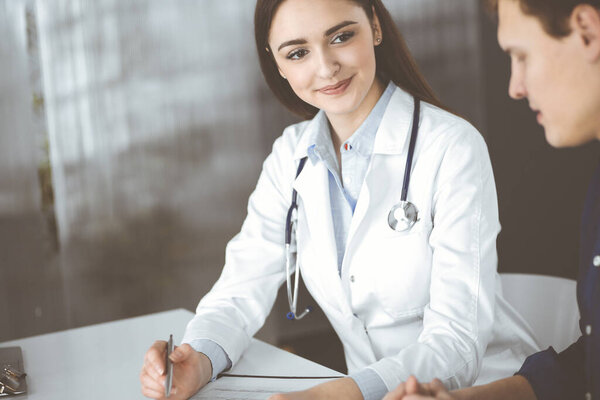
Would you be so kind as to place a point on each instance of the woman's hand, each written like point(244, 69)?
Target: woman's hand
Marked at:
point(344, 388)
point(414, 390)
point(191, 371)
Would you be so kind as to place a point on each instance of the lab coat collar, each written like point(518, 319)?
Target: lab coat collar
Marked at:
point(391, 137)
point(310, 135)
point(394, 130)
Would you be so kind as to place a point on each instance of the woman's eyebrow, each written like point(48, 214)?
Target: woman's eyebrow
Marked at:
point(327, 33)
point(338, 26)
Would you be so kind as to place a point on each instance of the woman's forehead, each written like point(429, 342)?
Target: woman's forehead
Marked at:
point(309, 18)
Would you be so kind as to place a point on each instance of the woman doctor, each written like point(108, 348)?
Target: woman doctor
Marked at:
point(421, 299)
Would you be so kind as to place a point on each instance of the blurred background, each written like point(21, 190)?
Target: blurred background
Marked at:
point(133, 131)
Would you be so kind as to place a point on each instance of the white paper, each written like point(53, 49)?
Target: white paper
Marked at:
point(234, 388)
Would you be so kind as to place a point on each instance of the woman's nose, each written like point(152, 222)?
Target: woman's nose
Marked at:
point(328, 65)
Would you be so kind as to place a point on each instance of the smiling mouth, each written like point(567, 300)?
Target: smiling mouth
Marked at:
point(338, 88)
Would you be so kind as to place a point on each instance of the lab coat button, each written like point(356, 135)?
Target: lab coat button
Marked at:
point(588, 330)
point(351, 278)
point(597, 261)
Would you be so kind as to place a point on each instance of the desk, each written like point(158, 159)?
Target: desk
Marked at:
point(103, 361)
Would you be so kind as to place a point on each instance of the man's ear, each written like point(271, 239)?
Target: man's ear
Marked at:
point(585, 23)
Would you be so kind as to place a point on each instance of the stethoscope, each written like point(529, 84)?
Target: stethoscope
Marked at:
point(402, 217)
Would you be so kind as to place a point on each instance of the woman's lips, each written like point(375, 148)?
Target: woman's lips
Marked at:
point(338, 88)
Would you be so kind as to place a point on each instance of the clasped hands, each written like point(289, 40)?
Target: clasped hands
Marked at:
point(415, 390)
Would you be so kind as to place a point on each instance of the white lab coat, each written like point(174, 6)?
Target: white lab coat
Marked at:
point(425, 302)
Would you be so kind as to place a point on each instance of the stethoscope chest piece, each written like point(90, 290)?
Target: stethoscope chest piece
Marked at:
point(403, 216)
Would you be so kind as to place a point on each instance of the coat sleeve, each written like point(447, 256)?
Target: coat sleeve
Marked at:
point(458, 320)
point(237, 305)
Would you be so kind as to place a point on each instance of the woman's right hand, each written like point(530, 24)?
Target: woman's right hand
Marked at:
point(191, 371)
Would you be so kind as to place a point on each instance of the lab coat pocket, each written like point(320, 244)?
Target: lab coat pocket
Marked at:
point(403, 271)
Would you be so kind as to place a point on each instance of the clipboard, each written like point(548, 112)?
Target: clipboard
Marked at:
point(14, 357)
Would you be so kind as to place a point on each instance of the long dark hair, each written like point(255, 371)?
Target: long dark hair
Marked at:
point(393, 59)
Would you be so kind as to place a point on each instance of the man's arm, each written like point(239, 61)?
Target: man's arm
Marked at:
point(515, 388)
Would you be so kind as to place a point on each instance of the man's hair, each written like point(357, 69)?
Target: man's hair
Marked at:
point(553, 14)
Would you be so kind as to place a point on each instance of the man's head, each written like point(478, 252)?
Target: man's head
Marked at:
point(554, 47)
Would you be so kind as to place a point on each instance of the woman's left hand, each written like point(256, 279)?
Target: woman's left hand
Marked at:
point(344, 388)
point(412, 389)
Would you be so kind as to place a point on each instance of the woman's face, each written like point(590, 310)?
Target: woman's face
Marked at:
point(325, 50)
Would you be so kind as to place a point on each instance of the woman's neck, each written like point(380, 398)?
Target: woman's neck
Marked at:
point(342, 126)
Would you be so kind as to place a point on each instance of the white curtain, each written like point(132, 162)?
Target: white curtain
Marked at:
point(19, 190)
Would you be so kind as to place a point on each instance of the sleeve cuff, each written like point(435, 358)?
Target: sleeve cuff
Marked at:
point(218, 358)
point(370, 384)
point(544, 374)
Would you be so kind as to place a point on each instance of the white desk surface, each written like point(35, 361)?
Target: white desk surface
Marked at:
point(103, 361)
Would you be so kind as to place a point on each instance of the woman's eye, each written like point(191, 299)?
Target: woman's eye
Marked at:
point(297, 54)
point(342, 37)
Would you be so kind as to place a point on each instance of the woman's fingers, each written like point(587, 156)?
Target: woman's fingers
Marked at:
point(413, 386)
point(396, 394)
point(156, 356)
point(151, 382)
point(437, 387)
point(151, 376)
point(181, 353)
point(150, 387)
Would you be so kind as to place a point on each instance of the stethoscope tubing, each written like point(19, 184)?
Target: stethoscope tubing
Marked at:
point(411, 148)
point(293, 208)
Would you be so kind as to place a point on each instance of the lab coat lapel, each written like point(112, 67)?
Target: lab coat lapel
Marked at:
point(314, 201)
point(391, 139)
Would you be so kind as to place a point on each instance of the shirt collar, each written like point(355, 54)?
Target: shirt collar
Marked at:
point(317, 143)
point(363, 139)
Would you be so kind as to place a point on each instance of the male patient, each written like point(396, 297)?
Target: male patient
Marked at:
point(554, 46)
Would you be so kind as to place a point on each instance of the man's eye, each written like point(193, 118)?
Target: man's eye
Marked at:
point(297, 54)
point(342, 37)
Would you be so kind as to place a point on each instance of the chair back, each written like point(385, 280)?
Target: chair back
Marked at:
point(548, 304)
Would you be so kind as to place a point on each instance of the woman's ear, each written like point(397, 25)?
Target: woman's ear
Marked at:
point(585, 23)
point(281, 72)
point(377, 32)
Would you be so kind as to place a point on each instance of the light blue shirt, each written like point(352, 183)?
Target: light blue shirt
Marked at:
point(344, 190)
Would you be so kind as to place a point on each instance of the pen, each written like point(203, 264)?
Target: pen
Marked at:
point(169, 380)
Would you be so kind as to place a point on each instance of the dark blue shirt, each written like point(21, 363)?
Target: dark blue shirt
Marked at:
point(575, 372)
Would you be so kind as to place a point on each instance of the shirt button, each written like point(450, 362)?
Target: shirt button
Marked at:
point(597, 261)
point(588, 330)
point(351, 278)
point(348, 180)
point(588, 396)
